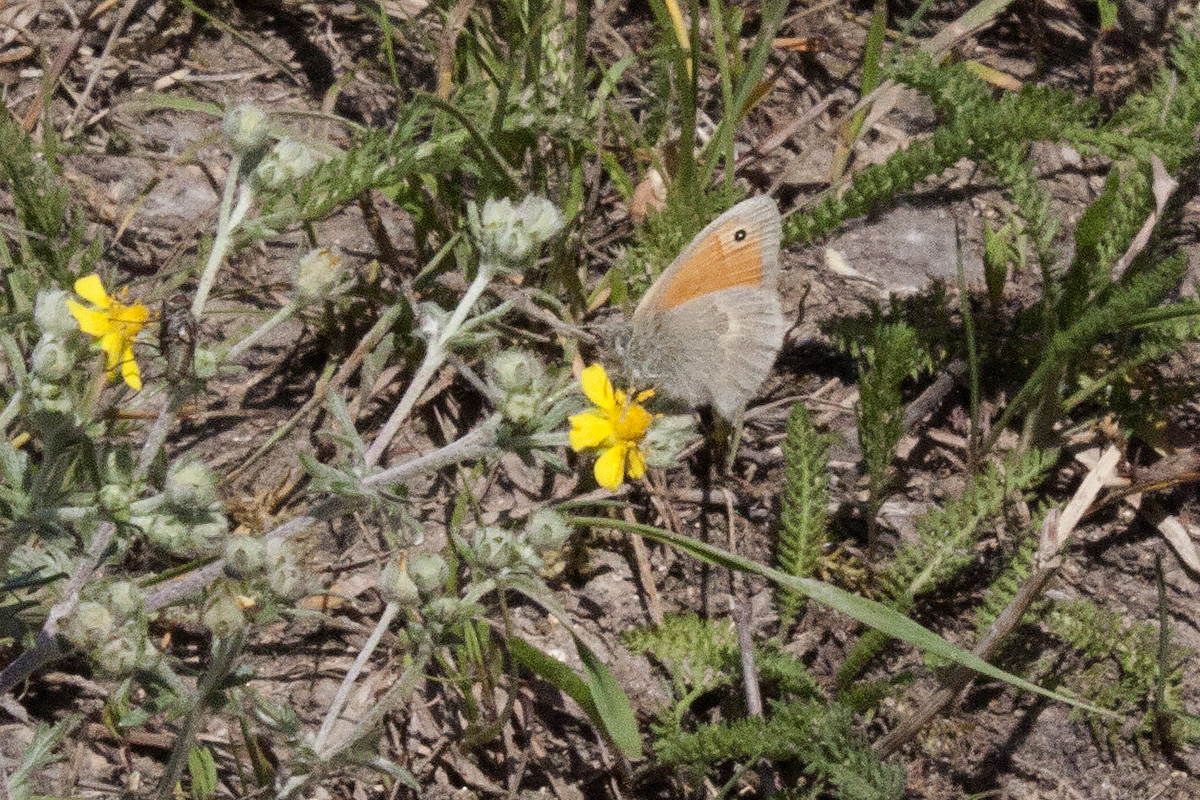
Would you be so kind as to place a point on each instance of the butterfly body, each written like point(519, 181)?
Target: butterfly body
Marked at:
point(708, 330)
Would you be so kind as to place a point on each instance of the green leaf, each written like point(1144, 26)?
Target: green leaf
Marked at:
point(203, 771)
point(155, 101)
point(597, 692)
point(866, 611)
point(612, 704)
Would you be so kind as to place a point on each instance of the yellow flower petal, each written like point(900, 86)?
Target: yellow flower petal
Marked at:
point(597, 387)
point(130, 371)
point(637, 462)
point(113, 346)
point(91, 289)
point(589, 429)
point(610, 467)
point(93, 323)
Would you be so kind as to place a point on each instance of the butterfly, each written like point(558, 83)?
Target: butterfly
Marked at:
point(709, 328)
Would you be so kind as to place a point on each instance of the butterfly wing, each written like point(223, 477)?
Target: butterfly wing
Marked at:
point(740, 248)
point(708, 330)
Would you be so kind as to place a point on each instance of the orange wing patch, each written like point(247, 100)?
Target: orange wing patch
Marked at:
point(720, 262)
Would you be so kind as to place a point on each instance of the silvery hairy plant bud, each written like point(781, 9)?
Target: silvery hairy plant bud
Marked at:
point(317, 274)
point(510, 234)
point(515, 369)
point(52, 360)
point(397, 586)
point(493, 548)
point(125, 651)
point(190, 484)
point(89, 626)
point(246, 126)
point(51, 315)
point(547, 530)
point(125, 598)
point(114, 499)
point(223, 616)
point(289, 160)
point(429, 572)
point(667, 438)
point(205, 362)
point(245, 556)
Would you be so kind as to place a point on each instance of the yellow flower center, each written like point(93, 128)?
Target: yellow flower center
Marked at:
point(628, 419)
point(126, 320)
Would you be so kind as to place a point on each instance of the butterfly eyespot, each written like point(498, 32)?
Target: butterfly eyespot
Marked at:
point(740, 235)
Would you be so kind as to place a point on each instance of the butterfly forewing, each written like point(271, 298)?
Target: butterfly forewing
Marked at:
point(738, 249)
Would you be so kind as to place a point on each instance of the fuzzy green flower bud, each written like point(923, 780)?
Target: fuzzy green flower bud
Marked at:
point(667, 438)
point(125, 651)
point(125, 598)
point(513, 370)
point(287, 582)
point(89, 626)
point(164, 532)
point(280, 550)
point(207, 536)
point(114, 499)
point(547, 530)
point(49, 396)
point(397, 586)
point(429, 572)
point(205, 362)
point(289, 160)
point(510, 234)
point(431, 320)
point(52, 360)
point(224, 616)
point(190, 484)
point(245, 556)
point(493, 548)
point(51, 315)
point(317, 274)
point(246, 127)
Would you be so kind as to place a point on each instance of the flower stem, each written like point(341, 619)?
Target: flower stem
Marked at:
point(343, 693)
point(282, 315)
point(227, 221)
point(435, 356)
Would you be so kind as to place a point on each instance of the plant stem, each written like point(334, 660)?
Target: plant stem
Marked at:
point(343, 693)
point(227, 221)
point(282, 315)
point(435, 355)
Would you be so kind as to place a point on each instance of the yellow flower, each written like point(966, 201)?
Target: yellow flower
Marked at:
point(114, 324)
point(616, 425)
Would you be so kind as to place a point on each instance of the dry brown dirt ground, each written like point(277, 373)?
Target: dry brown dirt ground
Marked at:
point(155, 178)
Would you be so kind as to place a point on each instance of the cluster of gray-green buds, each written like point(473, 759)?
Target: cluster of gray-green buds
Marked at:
point(288, 161)
point(189, 520)
point(520, 386)
point(54, 355)
point(111, 628)
point(496, 549)
point(508, 234)
point(285, 576)
point(247, 127)
point(406, 582)
point(273, 562)
point(317, 274)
